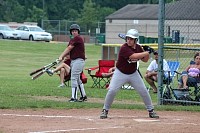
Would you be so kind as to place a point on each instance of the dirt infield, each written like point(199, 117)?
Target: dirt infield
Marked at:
point(87, 121)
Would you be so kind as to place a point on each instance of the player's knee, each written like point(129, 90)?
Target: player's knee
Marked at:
point(62, 70)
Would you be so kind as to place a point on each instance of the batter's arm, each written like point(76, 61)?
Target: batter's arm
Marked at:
point(66, 51)
point(144, 56)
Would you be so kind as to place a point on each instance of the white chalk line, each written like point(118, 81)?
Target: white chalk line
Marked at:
point(147, 120)
point(48, 116)
point(194, 124)
point(60, 116)
point(90, 119)
point(81, 129)
point(68, 130)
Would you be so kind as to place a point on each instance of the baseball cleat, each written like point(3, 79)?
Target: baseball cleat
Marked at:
point(83, 98)
point(104, 114)
point(73, 100)
point(153, 114)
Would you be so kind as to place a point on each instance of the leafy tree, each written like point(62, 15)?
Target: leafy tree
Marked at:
point(63, 9)
point(102, 12)
point(86, 12)
point(35, 15)
point(11, 11)
point(117, 4)
point(72, 15)
point(88, 15)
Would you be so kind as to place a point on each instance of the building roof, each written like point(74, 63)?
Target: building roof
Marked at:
point(183, 10)
point(180, 10)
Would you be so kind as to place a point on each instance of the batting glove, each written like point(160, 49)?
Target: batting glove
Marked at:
point(149, 49)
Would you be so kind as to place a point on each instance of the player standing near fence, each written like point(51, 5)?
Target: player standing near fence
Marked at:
point(76, 49)
point(126, 71)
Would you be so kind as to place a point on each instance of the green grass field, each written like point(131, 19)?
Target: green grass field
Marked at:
point(19, 91)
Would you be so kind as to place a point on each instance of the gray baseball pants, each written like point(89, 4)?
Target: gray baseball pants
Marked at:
point(135, 80)
point(77, 66)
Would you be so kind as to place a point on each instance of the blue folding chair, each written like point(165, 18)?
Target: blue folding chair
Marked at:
point(174, 66)
point(182, 96)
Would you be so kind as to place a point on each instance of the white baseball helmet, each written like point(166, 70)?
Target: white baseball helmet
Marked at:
point(132, 33)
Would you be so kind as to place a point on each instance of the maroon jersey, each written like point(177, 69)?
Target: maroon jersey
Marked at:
point(67, 61)
point(125, 52)
point(79, 49)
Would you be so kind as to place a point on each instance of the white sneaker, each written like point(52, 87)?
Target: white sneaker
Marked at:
point(49, 72)
point(61, 85)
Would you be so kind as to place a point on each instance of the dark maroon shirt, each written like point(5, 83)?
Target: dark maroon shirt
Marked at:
point(68, 61)
point(125, 52)
point(79, 48)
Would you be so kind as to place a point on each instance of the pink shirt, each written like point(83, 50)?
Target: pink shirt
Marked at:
point(194, 72)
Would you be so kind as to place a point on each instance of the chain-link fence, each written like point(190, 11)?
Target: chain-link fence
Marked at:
point(60, 30)
point(181, 84)
point(176, 31)
point(182, 26)
point(181, 41)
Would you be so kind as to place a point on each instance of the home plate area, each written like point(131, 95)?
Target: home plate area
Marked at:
point(88, 121)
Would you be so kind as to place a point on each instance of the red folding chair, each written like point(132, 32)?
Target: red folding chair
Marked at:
point(103, 66)
point(68, 79)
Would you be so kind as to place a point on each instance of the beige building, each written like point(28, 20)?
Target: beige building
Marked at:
point(182, 19)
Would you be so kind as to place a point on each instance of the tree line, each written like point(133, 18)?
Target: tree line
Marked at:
point(83, 11)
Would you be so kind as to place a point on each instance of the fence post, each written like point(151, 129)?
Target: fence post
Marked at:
point(160, 48)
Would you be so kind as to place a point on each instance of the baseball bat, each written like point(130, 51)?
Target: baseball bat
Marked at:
point(47, 66)
point(38, 75)
point(36, 71)
point(122, 36)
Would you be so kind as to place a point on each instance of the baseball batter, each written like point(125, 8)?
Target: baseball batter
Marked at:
point(76, 49)
point(126, 71)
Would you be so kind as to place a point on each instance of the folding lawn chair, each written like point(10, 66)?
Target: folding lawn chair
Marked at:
point(103, 67)
point(68, 79)
point(180, 95)
point(173, 66)
point(195, 84)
